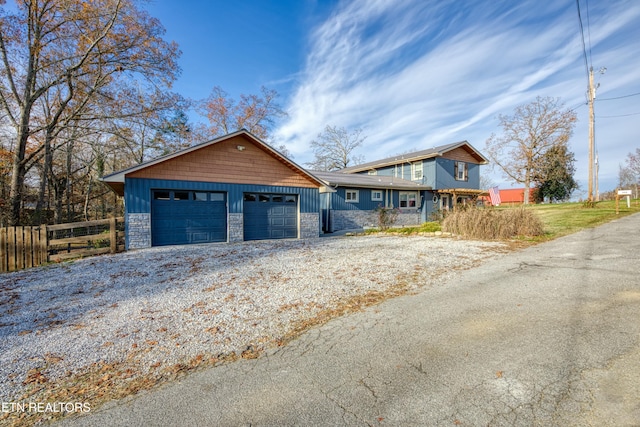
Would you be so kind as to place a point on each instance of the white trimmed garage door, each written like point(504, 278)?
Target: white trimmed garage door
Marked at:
point(270, 216)
point(181, 217)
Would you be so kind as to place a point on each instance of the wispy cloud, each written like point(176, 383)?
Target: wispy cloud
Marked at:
point(414, 74)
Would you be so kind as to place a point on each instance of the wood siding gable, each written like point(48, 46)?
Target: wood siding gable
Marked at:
point(225, 162)
point(462, 154)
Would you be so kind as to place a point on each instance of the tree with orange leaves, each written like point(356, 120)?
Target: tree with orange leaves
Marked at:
point(62, 62)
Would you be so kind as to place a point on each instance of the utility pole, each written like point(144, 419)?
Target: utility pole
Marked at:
point(592, 95)
point(597, 185)
point(592, 119)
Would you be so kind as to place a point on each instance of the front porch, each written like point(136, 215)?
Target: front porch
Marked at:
point(451, 197)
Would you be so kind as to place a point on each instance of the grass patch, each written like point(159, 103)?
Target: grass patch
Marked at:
point(534, 223)
point(566, 218)
point(426, 227)
point(523, 222)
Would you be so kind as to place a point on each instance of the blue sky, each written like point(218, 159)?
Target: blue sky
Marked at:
point(414, 74)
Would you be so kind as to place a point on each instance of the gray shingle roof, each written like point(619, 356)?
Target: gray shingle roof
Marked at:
point(414, 156)
point(339, 179)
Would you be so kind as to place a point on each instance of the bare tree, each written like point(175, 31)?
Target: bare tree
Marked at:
point(255, 113)
point(630, 174)
point(282, 149)
point(334, 149)
point(145, 124)
point(527, 135)
point(633, 163)
point(59, 58)
point(5, 176)
point(486, 181)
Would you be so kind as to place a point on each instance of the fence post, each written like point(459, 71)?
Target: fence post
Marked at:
point(4, 249)
point(44, 244)
point(19, 248)
point(28, 247)
point(11, 248)
point(113, 239)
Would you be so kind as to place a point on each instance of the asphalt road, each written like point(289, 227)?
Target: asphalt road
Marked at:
point(547, 336)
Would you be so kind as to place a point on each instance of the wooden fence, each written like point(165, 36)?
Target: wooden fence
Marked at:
point(22, 247)
point(25, 247)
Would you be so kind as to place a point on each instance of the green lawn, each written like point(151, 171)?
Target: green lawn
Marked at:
point(566, 218)
point(559, 219)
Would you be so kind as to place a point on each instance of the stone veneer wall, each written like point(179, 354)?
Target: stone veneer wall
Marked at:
point(309, 225)
point(408, 219)
point(236, 227)
point(345, 220)
point(138, 230)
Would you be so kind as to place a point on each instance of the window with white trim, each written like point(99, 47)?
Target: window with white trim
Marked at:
point(409, 199)
point(352, 196)
point(416, 171)
point(461, 171)
point(376, 195)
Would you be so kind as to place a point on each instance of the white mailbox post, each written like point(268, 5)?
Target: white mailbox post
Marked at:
point(625, 193)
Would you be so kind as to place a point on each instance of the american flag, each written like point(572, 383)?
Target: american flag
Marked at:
point(494, 194)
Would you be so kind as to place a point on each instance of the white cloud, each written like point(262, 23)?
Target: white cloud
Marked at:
point(415, 74)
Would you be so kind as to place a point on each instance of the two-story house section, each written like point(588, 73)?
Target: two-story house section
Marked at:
point(423, 182)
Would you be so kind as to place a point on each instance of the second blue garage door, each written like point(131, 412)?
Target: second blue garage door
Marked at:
point(270, 216)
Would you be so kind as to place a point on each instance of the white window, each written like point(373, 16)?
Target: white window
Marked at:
point(409, 199)
point(461, 171)
point(376, 195)
point(352, 196)
point(416, 171)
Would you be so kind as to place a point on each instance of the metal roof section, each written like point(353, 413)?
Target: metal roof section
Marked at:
point(116, 180)
point(415, 156)
point(339, 179)
point(463, 191)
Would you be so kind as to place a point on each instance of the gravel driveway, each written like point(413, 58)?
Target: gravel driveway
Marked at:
point(153, 312)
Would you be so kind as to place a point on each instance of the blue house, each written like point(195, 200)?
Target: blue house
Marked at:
point(230, 189)
point(237, 188)
point(418, 184)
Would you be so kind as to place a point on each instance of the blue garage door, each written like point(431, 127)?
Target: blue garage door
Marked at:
point(270, 216)
point(183, 217)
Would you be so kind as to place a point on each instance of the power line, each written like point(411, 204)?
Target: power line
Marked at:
point(622, 115)
point(584, 47)
point(619, 97)
point(589, 33)
point(582, 104)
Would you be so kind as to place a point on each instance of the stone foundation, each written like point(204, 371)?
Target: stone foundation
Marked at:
point(138, 227)
point(309, 225)
point(346, 220)
point(236, 227)
point(408, 219)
